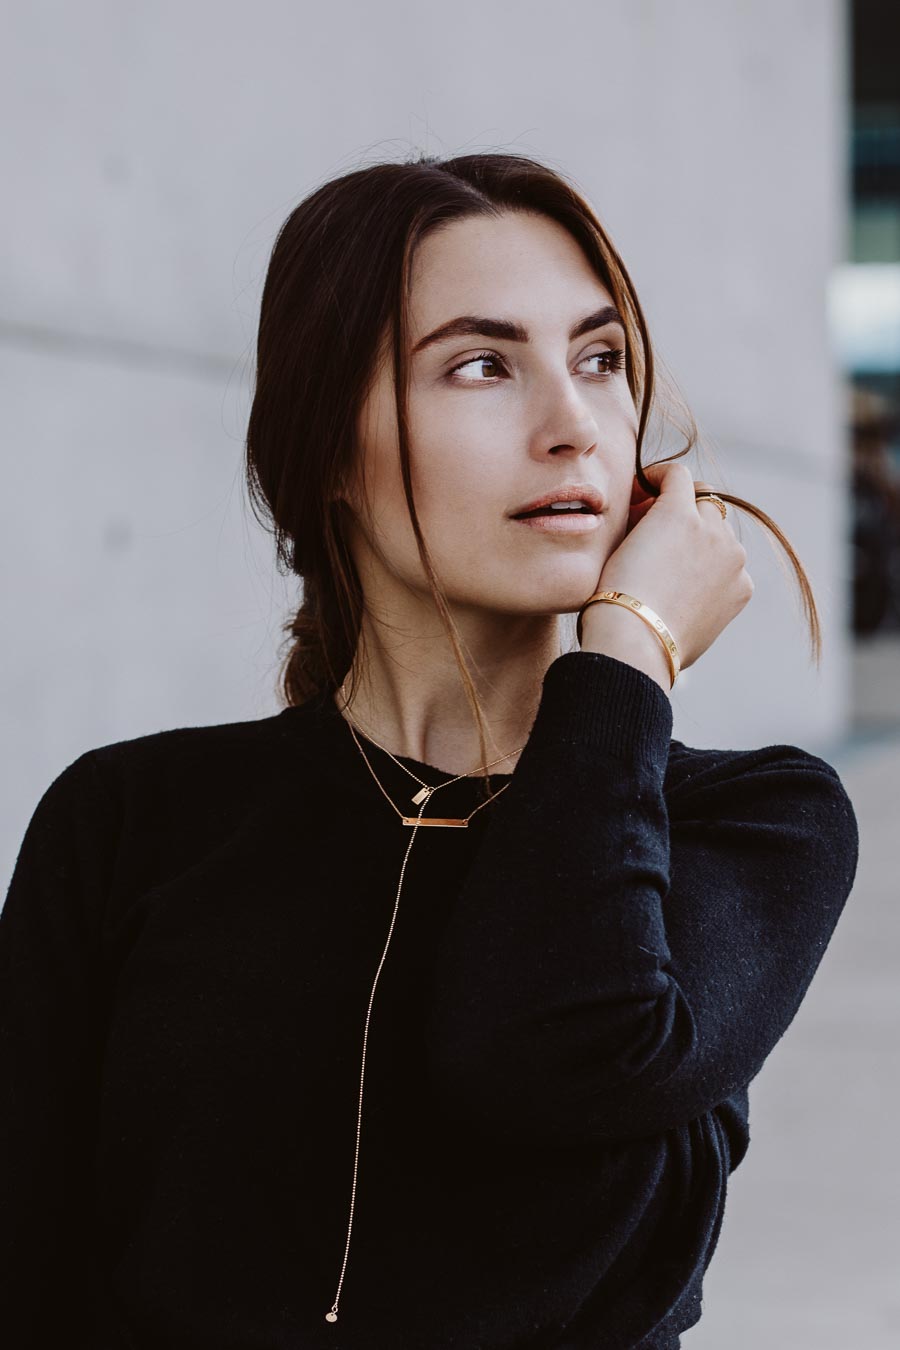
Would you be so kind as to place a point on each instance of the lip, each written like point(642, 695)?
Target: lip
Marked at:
point(568, 492)
point(572, 522)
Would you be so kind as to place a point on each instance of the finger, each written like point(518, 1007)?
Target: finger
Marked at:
point(707, 505)
point(701, 487)
point(705, 501)
point(674, 479)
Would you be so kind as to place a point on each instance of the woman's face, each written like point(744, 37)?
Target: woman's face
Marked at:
point(496, 422)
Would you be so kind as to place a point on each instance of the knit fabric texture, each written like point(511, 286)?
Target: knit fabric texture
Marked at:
point(578, 990)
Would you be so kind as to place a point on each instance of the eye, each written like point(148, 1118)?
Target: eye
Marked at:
point(483, 358)
point(615, 359)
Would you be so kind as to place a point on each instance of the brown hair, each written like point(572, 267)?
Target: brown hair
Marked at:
point(336, 289)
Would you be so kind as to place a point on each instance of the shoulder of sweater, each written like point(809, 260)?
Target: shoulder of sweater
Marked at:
point(688, 763)
point(209, 752)
point(770, 779)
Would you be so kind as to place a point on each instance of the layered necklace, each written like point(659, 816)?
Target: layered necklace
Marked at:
point(420, 799)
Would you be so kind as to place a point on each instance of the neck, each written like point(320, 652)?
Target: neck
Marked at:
point(407, 695)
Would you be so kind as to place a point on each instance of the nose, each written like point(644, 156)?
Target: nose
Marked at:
point(566, 424)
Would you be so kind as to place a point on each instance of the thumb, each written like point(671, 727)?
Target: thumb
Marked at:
point(673, 479)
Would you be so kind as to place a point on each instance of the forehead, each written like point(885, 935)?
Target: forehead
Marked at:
point(510, 266)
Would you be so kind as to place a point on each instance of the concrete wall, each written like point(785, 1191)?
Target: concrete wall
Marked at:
point(156, 150)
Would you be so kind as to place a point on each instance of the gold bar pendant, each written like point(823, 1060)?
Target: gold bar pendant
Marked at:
point(433, 820)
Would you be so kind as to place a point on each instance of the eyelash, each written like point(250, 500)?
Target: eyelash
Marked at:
point(616, 356)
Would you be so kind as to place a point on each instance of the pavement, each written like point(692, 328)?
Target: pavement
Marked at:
point(809, 1253)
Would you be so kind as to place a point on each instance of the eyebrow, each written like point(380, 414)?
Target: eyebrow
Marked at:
point(473, 325)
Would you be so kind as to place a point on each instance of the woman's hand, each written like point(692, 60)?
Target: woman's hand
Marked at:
point(682, 559)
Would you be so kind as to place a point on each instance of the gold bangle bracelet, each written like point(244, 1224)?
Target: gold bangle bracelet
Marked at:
point(650, 617)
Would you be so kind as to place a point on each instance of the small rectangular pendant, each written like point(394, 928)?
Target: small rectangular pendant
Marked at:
point(434, 820)
point(420, 796)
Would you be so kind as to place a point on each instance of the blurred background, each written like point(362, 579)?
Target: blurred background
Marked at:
point(745, 158)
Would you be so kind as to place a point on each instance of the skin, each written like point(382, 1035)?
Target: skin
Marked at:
point(485, 440)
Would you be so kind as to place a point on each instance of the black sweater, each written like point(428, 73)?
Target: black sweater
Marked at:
point(578, 989)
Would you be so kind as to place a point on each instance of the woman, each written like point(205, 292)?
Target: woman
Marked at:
point(285, 1067)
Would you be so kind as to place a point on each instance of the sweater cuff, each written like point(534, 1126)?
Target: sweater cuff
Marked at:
point(596, 700)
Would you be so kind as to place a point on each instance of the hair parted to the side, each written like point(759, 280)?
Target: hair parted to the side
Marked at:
point(337, 286)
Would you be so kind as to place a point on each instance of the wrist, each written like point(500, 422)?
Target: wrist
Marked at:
point(611, 630)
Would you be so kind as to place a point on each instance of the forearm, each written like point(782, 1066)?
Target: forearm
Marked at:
point(549, 973)
point(609, 968)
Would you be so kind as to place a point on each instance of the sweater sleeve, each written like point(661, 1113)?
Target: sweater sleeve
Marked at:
point(618, 963)
point(51, 1018)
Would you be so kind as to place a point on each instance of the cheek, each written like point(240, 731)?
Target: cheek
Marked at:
point(384, 487)
point(457, 485)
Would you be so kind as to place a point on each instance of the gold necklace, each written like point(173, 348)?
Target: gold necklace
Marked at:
point(426, 790)
point(420, 799)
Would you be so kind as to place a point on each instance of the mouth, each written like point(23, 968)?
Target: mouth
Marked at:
point(559, 522)
point(580, 501)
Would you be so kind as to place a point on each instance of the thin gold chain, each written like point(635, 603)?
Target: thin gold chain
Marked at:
point(423, 798)
point(429, 789)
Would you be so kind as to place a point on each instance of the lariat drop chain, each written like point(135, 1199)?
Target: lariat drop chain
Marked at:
point(420, 799)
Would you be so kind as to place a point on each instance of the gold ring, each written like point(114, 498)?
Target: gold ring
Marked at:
point(712, 497)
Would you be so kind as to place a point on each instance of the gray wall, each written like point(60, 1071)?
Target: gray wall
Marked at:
point(157, 150)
